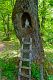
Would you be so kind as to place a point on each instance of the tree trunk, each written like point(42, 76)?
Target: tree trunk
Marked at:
point(8, 30)
point(4, 24)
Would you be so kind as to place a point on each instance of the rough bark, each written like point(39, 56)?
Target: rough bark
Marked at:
point(30, 7)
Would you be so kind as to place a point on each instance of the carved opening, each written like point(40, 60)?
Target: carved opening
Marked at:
point(26, 20)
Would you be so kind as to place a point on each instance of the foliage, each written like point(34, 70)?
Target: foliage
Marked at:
point(45, 16)
point(6, 8)
point(9, 68)
point(51, 3)
point(46, 20)
point(50, 77)
point(35, 71)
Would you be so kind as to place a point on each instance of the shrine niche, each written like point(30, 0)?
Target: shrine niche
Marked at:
point(26, 20)
point(26, 25)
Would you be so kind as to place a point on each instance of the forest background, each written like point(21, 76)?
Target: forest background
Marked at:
point(9, 44)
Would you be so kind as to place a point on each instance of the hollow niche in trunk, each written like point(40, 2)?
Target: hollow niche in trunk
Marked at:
point(26, 20)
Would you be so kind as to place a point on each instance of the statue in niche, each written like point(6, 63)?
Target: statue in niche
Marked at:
point(27, 25)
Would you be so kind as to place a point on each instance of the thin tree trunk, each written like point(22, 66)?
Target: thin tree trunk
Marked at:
point(4, 23)
point(8, 30)
point(12, 3)
point(0, 73)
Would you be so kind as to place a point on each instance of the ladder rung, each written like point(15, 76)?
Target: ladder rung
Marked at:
point(26, 50)
point(26, 67)
point(24, 75)
point(24, 59)
point(27, 42)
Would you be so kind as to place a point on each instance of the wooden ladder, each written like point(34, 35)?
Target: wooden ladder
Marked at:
point(25, 60)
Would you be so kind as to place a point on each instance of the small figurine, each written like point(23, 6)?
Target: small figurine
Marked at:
point(27, 23)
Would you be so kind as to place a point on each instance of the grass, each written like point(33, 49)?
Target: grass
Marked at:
point(50, 77)
point(9, 60)
point(9, 69)
point(49, 61)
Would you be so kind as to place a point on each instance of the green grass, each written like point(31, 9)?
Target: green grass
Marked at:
point(35, 71)
point(50, 77)
point(49, 60)
point(9, 68)
point(9, 63)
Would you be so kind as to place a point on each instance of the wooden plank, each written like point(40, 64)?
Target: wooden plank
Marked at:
point(26, 50)
point(26, 67)
point(27, 43)
point(24, 75)
point(24, 59)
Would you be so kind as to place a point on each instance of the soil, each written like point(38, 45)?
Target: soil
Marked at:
point(2, 46)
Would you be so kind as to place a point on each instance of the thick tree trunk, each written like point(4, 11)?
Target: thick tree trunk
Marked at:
point(29, 7)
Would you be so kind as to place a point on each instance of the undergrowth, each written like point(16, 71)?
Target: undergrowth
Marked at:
point(9, 69)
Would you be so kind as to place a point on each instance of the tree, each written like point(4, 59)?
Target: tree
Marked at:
point(45, 17)
point(6, 7)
